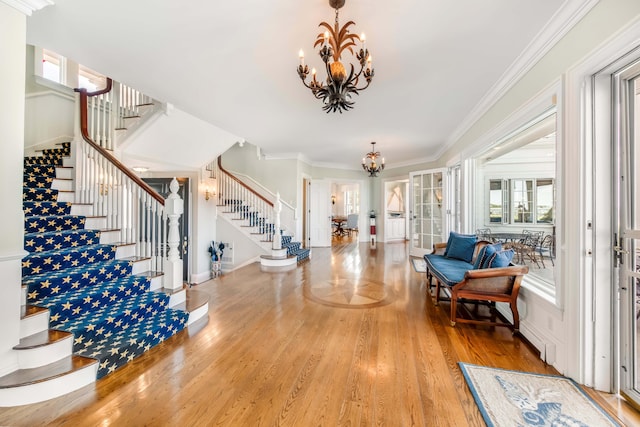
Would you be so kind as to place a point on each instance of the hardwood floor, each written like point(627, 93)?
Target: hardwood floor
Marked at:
point(347, 338)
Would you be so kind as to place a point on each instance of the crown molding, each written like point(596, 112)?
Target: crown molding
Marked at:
point(569, 14)
point(28, 6)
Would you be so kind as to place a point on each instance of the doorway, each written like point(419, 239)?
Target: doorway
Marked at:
point(427, 213)
point(161, 186)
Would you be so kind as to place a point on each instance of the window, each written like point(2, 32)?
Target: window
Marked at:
point(525, 201)
point(351, 202)
point(53, 66)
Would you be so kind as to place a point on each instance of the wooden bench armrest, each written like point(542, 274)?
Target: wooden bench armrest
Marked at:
point(483, 273)
point(439, 248)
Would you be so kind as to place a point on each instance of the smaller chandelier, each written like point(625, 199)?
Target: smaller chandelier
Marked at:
point(340, 85)
point(369, 163)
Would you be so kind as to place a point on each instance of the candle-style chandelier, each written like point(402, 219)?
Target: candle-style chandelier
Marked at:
point(369, 163)
point(337, 92)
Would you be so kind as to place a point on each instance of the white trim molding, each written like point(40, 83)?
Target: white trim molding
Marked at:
point(28, 6)
point(569, 14)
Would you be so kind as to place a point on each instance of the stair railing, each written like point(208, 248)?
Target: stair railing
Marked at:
point(109, 109)
point(231, 191)
point(128, 203)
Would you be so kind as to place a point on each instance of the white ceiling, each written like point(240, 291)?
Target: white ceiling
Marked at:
point(233, 64)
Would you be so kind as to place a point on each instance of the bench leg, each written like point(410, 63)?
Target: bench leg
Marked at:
point(437, 293)
point(454, 308)
point(516, 316)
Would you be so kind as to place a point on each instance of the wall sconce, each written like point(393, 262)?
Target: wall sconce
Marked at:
point(209, 193)
point(104, 189)
point(333, 199)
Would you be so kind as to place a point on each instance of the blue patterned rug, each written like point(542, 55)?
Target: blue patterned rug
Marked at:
point(514, 398)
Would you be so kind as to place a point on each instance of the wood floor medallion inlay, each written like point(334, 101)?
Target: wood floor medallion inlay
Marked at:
point(349, 293)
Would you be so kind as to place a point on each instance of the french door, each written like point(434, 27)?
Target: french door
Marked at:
point(427, 190)
point(626, 132)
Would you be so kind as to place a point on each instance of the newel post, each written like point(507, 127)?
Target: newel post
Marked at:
point(174, 207)
point(277, 235)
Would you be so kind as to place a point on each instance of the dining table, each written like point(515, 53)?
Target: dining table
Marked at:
point(507, 236)
point(338, 221)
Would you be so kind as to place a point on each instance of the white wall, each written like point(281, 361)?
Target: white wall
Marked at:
point(48, 119)
point(175, 141)
point(12, 88)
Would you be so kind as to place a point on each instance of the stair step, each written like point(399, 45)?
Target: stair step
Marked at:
point(31, 385)
point(156, 278)
point(196, 304)
point(41, 339)
point(44, 347)
point(64, 172)
point(33, 320)
point(62, 184)
point(176, 296)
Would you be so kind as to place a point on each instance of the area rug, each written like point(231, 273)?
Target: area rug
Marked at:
point(419, 265)
point(514, 398)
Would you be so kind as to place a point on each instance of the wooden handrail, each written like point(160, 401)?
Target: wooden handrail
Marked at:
point(85, 135)
point(242, 183)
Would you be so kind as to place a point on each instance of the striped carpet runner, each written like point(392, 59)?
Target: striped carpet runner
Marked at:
point(112, 313)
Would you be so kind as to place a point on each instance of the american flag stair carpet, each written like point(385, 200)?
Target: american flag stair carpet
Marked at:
point(88, 291)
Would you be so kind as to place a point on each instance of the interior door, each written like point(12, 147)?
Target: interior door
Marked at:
point(627, 137)
point(320, 213)
point(427, 207)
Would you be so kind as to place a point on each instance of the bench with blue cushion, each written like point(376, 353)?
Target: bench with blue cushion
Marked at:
point(475, 270)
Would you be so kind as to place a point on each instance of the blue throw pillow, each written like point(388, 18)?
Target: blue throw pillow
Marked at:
point(501, 259)
point(482, 260)
point(461, 246)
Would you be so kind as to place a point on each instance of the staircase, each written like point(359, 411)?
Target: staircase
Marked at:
point(90, 305)
point(260, 215)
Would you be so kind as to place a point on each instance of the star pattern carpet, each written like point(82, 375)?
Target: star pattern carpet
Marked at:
point(111, 312)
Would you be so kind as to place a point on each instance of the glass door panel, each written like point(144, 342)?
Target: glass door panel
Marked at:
point(427, 189)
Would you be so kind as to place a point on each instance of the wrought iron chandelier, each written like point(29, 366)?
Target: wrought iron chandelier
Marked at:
point(339, 88)
point(369, 163)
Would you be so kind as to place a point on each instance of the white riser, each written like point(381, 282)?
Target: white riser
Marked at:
point(284, 262)
point(141, 266)
point(177, 298)
point(95, 223)
point(43, 355)
point(65, 173)
point(81, 209)
point(125, 251)
point(62, 185)
point(45, 390)
point(67, 197)
point(198, 313)
point(156, 283)
point(34, 324)
point(110, 236)
point(66, 161)
point(279, 252)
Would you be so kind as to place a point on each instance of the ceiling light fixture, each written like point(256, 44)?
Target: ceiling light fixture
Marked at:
point(369, 163)
point(340, 86)
point(140, 169)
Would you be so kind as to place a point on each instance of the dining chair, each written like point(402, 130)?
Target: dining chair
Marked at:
point(547, 248)
point(484, 234)
point(352, 223)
